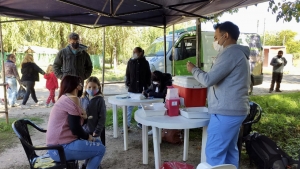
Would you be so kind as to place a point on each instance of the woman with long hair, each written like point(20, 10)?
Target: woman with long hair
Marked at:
point(30, 74)
point(65, 126)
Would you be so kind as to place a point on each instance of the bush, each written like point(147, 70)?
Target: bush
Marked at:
point(281, 120)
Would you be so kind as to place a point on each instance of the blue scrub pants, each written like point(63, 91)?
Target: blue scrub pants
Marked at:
point(222, 137)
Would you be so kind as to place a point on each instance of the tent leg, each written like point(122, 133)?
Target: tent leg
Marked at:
point(199, 56)
point(165, 43)
point(3, 75)
point(103, 60)
point(173, 52)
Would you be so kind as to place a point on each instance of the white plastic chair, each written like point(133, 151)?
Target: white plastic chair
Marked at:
point(207, 166)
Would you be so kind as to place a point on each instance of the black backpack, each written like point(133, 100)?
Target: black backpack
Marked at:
point(265, 153)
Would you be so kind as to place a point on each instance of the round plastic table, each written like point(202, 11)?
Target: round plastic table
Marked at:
point(124, 101)
point(167, 122)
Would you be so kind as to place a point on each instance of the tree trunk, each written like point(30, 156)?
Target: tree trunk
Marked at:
point(115, 56)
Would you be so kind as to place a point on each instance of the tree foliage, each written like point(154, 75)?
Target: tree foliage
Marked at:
point(286, 10)
point(283, 38)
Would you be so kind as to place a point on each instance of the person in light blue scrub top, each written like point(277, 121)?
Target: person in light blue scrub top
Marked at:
point(228, 101)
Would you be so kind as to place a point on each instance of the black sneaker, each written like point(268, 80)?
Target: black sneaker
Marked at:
point(139, 125)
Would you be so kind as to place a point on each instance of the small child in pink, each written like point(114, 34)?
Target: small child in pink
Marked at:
point(51, 85)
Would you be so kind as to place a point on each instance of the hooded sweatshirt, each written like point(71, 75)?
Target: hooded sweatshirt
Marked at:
point(228, 81)
point(69, 63)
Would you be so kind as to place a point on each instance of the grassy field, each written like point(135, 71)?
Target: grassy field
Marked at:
point(7, 134)
point(280, 120)
point(111, 74)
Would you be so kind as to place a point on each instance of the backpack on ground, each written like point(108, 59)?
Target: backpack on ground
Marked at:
point(265, 153)
point(173, 136)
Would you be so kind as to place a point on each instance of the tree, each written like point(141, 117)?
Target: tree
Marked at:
point(283, 38)
point(286, 10)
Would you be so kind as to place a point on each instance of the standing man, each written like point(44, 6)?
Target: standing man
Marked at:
point(73, 60)
point(278, 63)
point(228, 101)
point(11, 78)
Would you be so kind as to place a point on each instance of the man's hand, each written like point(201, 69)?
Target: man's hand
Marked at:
point(190, 66)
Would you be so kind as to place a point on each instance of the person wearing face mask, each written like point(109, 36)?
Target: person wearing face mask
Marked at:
point(278, 63)
point(228, 101)
point(73, 60)
point(138, 77)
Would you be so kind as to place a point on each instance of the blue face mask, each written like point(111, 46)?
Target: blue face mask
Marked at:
point(92, 92)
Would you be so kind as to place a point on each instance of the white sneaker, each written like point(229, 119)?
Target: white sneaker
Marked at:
point(24, 106)
point(38, 103)
point(150, 133)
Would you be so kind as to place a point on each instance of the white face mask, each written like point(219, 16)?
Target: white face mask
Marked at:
point(217, 46)
point(134, 56)
point(155, 83)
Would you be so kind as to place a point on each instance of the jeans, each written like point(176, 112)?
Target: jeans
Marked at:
point(276, 77)
point(222, 137)
point(129, 113)
point(12, 90)
point(29, 90)
point(82, 150)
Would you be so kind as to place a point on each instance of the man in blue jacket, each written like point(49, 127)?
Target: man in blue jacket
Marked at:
point(228, 102)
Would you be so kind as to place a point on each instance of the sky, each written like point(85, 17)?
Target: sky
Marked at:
point(247, 19)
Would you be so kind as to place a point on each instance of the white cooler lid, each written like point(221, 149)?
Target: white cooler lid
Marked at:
point(187, 82)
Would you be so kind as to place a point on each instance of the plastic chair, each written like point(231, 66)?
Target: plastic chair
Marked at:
point(253, 117)
point(20, 127)
point(207, 166)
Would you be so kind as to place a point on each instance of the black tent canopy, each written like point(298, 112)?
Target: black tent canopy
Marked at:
point(100, 13)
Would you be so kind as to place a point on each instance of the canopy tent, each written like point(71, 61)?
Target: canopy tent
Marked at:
point(100, 13)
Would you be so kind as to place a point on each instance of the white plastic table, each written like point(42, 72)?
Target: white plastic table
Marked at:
point(115, 101)
point(167, 122)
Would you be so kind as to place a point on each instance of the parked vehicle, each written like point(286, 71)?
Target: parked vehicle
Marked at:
point(185, 50)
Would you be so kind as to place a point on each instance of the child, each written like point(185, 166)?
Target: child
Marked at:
point(51, 85)
point(94, 105)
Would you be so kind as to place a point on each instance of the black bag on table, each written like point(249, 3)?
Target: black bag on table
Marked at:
point(21, 93)
point(265, 153)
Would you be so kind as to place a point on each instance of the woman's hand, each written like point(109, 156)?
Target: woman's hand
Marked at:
point(91, 138)
point(94, 134)
point(84, 115)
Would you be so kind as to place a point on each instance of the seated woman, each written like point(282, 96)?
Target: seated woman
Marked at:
point(65, 127)
point(158, 89)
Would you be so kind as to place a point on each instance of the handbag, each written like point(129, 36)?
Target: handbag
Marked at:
point(173, 136)
point(21, 93)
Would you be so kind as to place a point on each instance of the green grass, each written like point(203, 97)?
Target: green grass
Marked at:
point(109, 117)
point(111, 75)
point(281, 120)
point(7, 136)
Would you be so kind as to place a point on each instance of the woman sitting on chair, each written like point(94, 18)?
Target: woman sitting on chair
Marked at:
point(65, 127)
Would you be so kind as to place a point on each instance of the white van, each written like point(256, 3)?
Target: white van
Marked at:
point(185, 50)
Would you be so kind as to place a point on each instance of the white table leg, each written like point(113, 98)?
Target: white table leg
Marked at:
point(186, 144)
point(125, 128)
point(115, 120)
point(204, 140)
point(156, 145)
point(145, 144)
point(159, 135)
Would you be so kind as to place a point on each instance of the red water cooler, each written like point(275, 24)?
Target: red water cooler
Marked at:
point(172, 101)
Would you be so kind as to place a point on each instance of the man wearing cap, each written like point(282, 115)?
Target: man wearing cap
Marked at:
point(73, 60)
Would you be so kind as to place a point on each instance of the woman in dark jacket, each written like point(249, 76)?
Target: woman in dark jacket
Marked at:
point(138, 76)
point(30, 74)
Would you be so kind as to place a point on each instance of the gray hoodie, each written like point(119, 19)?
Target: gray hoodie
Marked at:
point(228, 81)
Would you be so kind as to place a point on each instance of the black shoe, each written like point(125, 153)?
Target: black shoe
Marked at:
point(278, 90)
point(139, 125)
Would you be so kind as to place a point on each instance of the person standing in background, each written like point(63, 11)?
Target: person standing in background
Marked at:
point(73, 60)
point(11, 78)
point(278, 63)
point(138, 77)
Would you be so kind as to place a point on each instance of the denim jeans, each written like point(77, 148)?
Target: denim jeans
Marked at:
point(12, 90)
point(82, 150)
point(129, 113)
point(29, 90)
point(222, 137)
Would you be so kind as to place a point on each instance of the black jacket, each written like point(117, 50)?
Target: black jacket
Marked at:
point(68, 63)
point(96, 108)
point(138, 75)
point(30, 72)
point(162, 87)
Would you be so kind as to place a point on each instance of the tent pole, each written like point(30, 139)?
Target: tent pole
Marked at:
point(198, 43)
point(173, 48)
point(165, 43)
point(3, 75)
point(103, 59)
